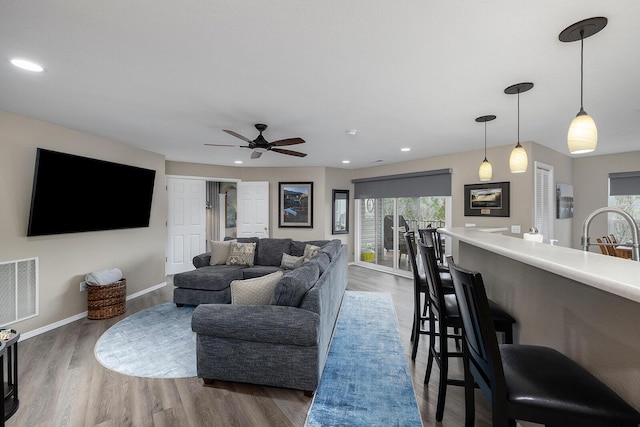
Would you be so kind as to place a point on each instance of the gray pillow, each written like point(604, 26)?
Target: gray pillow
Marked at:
point(293, 286)
point(323, 261)
point(270, 251)
point(289, 262)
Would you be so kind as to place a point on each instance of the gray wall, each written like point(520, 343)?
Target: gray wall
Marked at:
point(591, 189)
point(65, 259)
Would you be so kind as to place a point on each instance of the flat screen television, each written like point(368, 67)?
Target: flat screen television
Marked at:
point(73, 194)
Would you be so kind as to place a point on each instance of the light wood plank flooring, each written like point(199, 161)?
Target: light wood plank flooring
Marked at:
point(62, 384)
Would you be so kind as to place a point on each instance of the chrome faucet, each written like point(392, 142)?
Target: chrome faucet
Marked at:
point(584, 241)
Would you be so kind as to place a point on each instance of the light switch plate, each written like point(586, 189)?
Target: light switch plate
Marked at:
point(515, 229)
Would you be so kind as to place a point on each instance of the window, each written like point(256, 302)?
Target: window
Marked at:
point(624, 193)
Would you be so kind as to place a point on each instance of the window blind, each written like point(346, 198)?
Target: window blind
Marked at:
point(624, 183)
point(417, 184)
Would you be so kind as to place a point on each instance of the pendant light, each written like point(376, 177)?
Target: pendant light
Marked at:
point(486, 171)
point(583, 134)
point(518, 160)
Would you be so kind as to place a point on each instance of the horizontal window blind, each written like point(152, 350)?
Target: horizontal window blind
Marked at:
point(624, 184)
point(417, 184)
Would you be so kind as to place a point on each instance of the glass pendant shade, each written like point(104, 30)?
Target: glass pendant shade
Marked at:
point(583, 134)
point(486, 171)
point(518, 161)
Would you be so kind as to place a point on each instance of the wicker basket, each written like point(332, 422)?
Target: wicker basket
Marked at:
point(106, 301)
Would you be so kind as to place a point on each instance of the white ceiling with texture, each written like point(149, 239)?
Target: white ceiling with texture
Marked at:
point(169, 76)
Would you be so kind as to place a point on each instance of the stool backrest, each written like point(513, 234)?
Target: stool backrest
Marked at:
point(431, 237)
point(430, 263)
point(479, 334)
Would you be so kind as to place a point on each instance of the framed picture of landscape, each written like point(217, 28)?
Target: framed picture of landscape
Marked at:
point(488, 199)
point(295, 204)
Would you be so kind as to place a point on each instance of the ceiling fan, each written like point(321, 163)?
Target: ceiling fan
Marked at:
point(261, 145)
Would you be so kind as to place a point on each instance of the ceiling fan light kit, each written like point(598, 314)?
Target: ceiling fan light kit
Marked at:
point(261, 145)
point(518, 161)
point(486, 171)
point(582, 136)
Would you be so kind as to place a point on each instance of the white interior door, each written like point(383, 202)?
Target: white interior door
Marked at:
point(186, 223)
point(253, 209)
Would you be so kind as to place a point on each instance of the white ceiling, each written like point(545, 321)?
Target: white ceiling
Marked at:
point(168, 76)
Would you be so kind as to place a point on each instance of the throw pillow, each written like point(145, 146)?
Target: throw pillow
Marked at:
point(256, 291)
point(290, 262)
point(219, 251)
point(294, 285)
point(241, 254)
point(310, 251)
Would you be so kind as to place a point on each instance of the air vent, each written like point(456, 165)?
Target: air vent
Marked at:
point(18, 290)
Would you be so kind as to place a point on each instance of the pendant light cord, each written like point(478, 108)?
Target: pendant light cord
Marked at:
point(485, 141)
point(518, 117)
point(581, 67)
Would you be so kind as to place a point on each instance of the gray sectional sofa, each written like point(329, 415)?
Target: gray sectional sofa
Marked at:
point(284, 343)
point(209, 284)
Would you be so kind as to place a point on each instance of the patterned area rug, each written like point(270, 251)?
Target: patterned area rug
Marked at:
point(366, 379)
point(153, 343)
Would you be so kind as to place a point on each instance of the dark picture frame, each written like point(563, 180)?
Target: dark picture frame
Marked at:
point(295, 204)
point(487, 199)
point(340, 212)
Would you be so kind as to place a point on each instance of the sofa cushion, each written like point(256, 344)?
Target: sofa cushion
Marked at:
point(241, 254)
point(258, 271)
point(297, 247)
point(210, 278)
point(294, 284)
point(289, 262)
point(256, 291)
point(271, 250)
point(322, 260)
point(219, 251)
point(332, 248)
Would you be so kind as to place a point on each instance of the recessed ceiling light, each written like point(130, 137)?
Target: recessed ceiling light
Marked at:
point(352, 132)
point(27, 65)
point(238, 162)
point(405, 149)
point(346, 161)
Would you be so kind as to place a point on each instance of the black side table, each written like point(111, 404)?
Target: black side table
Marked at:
point(10, 385)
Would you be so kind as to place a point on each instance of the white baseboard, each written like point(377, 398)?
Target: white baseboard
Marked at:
point(82, 315)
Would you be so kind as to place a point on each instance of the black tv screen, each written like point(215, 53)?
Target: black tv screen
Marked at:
point(73, 194)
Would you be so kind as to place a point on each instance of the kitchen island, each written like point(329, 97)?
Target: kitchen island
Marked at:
point(584, 304)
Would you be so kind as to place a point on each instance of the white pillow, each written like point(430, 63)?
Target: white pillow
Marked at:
point(310, 251)
point(256, 291)
point(290, 262)
point(241, 253)
point(219, 251)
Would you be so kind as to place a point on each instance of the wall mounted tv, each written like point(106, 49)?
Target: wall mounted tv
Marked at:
point(73, 194)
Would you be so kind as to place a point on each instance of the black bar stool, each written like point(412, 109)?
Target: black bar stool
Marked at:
point(524, 382)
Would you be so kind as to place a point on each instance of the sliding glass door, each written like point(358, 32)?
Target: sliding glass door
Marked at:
point(381, 224)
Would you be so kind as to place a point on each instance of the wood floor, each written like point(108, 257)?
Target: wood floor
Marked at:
point(62, 384)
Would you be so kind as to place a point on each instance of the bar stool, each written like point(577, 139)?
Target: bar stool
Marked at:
point(525, 382)
point(444, 312)
point(420, 294)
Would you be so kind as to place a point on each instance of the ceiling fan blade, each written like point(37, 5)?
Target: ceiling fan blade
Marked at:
point(289, 141)
point(237, 135)
point(289, 152)
point(226, 145)
point(256, 154)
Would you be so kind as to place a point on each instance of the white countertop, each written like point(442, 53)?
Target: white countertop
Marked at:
point(618, 276)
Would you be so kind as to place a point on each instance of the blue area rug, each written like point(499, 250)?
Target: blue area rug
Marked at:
point(153, 343)
point(366, 379)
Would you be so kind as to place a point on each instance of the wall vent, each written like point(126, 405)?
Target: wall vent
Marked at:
point(18, 290)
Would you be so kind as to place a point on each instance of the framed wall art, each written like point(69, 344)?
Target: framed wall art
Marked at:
point(295, 204)
point(487, 199)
